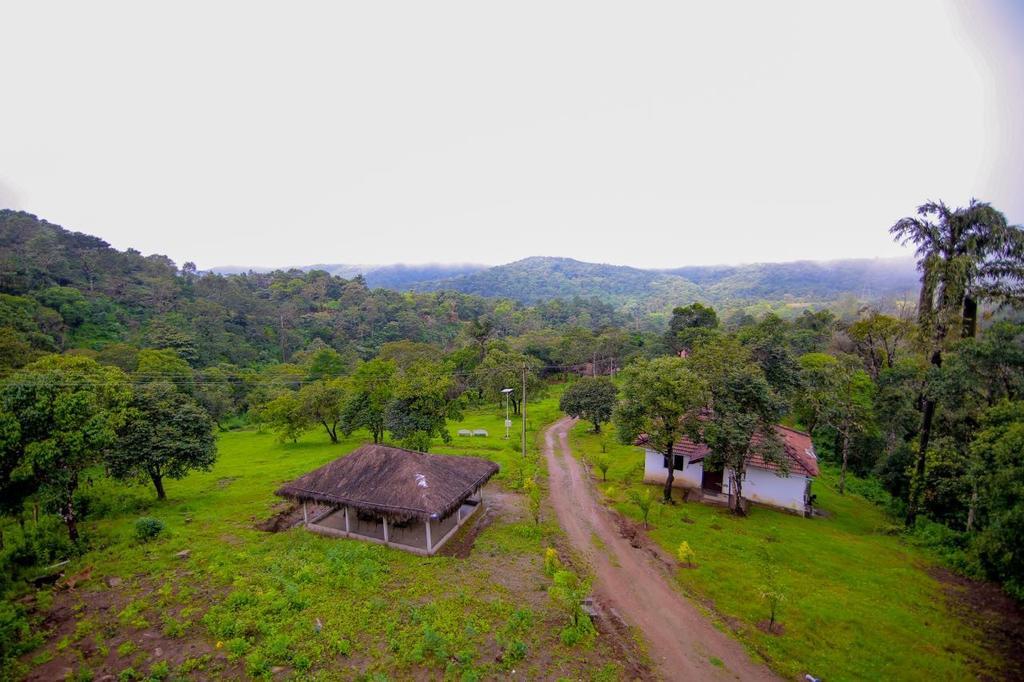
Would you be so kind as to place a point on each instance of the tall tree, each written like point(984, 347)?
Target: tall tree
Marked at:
point(68, 410)
point(323, 403)
point(878, 339)
point(592, 398)
point(372, 388)
point(424, 401)
point(742, 411)
point(688, 325)
point(286, 415)
point(660, 399)
point(166, 434)
point(965, 255)
point(502, 369)
point(999, 448)
point(839, 394)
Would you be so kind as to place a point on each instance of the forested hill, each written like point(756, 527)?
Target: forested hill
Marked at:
point(535, 279)
point(62, 290)
point(400, 277)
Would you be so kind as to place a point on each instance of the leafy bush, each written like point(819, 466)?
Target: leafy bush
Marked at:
point(147, 528)
point(35, 545)
point(643, 500)
point(15, 634)
point(686, 554)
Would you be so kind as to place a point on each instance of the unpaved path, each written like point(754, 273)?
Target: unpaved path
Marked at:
point(680, 640)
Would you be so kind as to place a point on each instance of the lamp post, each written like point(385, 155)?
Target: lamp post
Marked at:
point(508, 422)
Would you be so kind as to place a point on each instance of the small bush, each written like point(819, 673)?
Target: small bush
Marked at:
point(552, 563)
point(686, 554)
point(148, 528)
point(160, 670)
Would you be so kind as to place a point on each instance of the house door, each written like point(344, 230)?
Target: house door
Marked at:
point(711, 481)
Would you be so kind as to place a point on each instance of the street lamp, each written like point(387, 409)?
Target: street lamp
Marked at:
point(508, 422)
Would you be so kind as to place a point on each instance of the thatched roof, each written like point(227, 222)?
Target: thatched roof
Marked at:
point(396, 483)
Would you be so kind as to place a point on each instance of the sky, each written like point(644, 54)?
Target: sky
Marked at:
point(649, 134)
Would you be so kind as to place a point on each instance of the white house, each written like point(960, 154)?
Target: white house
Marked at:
point(765, 482)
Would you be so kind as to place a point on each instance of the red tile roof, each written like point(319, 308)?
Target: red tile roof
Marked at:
point(797, 445)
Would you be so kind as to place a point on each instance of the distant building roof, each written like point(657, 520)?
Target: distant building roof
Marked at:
point(392, 482)
point(797, 446)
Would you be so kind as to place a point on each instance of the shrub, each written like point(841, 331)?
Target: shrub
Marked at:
point(551, 562)
point(685, 553)
point(567, 592)
point(147, 528)
point(533, 498)
point(643, 500)
point(160, 670)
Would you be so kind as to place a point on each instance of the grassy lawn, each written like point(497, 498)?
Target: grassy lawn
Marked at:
point(297, 605)
point(858, 602)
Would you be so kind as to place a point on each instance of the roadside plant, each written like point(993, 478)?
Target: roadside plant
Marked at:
point(568, 591)
point(601, 463)
point(552, 564)
point(533, 498)
point(644, 501)
point(686, 554)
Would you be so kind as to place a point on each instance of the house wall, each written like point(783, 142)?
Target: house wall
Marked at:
point(656, 472)
point(766, 487)
point(760, 486)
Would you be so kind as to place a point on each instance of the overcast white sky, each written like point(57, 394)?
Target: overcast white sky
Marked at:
point(648, 134)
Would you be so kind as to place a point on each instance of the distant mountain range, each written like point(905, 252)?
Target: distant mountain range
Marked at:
point(536, 279)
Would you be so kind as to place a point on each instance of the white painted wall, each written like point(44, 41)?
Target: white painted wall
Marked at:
point(760, 486)
point(655, 471)
point(767, 487)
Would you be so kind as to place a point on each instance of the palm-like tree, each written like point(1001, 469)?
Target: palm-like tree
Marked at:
point(965, 255)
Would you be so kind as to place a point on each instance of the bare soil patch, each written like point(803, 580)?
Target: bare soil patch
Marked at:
point(84, 630)
point(997, 615)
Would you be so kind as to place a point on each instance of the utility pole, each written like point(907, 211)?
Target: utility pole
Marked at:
point(523, 412)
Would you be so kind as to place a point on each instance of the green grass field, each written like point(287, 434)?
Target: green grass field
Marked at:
point(294, 604)
point(858, 602)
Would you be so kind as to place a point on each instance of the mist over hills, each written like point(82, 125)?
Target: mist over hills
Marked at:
point(542, 278)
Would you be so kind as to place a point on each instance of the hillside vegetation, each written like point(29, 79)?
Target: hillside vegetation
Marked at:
point(250, 602)
point(859, 603)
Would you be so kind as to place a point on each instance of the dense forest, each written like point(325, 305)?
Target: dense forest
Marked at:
point(879, 282)
point(921, 410)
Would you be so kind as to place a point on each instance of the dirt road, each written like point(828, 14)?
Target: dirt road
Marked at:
point(680, 640)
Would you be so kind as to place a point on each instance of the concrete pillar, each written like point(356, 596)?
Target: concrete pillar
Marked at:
point(385, 520)
point(458, 515)
point(430, 544)
point(305, 515)
point(346, 520)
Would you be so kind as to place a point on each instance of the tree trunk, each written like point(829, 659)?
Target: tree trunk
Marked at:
point(331, 431)
point(917, 484)
point(671, 473)
point(970, 322)
point(927, 418)
point(597, 426)
point(842, 472)
point(68, 514)
point(736, 488)
point(972, 508)
point(158, 483)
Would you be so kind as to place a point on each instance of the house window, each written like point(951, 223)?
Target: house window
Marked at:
point(680, 462)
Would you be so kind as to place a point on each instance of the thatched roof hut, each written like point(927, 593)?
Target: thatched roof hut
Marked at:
point(393, 483)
